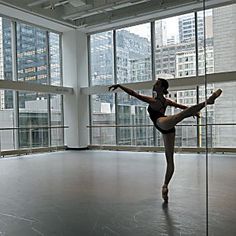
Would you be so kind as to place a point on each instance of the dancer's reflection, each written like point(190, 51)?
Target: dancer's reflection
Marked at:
point(170, 229)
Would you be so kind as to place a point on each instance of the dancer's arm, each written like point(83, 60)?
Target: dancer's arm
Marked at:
point(133, 93)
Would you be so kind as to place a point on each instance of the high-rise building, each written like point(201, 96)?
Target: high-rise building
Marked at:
point(186, 62)
point(166, 60)
point(179, 60)
point(1, 51)
point(187, 27)
point(6, 62)
point(224, 28)
point(133, 57)
point(102, 58)
point(160, 33)
point(171, 40)
point(1, 66)
point(140, 69)
point(32, 54)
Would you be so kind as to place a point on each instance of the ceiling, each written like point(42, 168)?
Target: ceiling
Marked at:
point(92, 14)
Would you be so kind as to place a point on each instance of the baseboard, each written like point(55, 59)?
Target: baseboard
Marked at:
point(76, 148)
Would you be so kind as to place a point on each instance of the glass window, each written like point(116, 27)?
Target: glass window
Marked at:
point(224, 28)
point(205, 42)
point(186, 130)
point(221, 135)
point(55, 59)
point(175, 56)
point(210, 115)
point(103, 114)
point(32, 56)
point(32, 48)
point(133, 54)
point(5, 49)
point(7, 137)
point(33, 112)
point(101, 58)
point(56, 120)
point(175, 46)
point(132, 112)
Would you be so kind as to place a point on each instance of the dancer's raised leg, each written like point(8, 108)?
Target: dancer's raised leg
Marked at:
point(170, 121)
point(169, 142)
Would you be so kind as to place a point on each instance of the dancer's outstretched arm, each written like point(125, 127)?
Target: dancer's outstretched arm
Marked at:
point(131, 92)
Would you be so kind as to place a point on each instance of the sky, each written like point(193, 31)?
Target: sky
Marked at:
point(144, 29)
point(171, 26)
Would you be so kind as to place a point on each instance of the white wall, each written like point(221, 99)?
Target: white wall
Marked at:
point(75, 74)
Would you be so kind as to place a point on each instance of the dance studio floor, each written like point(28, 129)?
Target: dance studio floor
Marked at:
point(84, 193)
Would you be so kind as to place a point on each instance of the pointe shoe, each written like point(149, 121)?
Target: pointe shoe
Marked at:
point(212, 98)
point(165, 193)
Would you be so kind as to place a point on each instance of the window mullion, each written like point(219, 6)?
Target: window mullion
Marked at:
point(90, 96)
point(197, 74)
point(14, 78)
point(153, 63)
point(115, 82)
point(48, 83)
point(61, 84)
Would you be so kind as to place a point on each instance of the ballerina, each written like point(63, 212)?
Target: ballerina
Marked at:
point(166, 124)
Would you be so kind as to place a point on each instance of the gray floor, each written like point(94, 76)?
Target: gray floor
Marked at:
point(115, 193)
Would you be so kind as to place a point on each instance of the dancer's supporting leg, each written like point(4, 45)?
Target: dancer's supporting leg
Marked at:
point(170, 121)
point(169, 142)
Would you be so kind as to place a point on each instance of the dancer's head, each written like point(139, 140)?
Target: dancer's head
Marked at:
point(161, 86)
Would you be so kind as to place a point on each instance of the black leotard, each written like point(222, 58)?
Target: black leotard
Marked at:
point(154, 115)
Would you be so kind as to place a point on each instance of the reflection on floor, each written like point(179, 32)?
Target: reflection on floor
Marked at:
point(115, 193)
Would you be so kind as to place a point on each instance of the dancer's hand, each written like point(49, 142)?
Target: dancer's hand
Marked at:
point(113, 87)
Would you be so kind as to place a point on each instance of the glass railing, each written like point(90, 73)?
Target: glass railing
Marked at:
point(30, 138)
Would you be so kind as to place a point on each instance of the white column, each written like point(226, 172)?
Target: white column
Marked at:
point(75, 74)
point(83, 100)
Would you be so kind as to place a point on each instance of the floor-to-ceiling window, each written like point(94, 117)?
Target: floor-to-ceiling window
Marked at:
point(188, 47)
point(30, 54)
point(7, 137)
